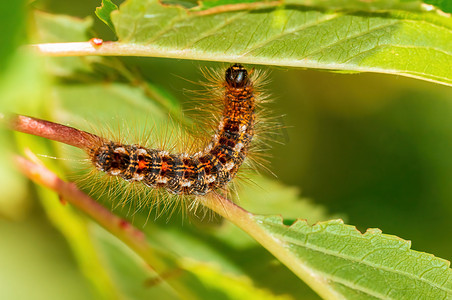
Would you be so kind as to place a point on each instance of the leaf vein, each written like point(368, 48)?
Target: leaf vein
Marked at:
point(363, 33)
point(295, 29)
point(396, 46)
point(354, 286)
point(169, 27)
point(214, 29)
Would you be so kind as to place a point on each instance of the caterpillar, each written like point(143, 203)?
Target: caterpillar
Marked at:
point(196, 174)
point(189, 174)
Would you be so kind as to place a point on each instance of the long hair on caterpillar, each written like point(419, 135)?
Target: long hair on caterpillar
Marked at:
point(163, 175)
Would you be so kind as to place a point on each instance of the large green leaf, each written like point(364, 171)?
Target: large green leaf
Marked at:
point(360, 266)
point(392, 42)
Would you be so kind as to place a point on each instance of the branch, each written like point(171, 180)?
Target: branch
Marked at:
point(53, 131)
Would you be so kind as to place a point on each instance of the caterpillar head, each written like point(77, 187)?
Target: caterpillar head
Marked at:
point(236, 76)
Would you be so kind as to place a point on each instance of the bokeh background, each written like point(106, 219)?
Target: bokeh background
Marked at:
point(374, 149)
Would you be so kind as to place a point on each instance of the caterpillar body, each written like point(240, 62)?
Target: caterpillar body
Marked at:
point(192, 174)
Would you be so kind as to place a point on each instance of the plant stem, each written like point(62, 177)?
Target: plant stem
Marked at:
point(109, 49)
point(53, 131)
point(130, 49)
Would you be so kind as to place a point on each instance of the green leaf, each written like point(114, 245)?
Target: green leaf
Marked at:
point(294, 36)
point(343, 262)
point(103, 12)
point(52, 28)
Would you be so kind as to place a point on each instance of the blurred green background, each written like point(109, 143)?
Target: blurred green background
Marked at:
point(373, 148)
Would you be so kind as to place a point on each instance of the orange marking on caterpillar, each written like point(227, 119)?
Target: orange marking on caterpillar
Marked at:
point(142, 164)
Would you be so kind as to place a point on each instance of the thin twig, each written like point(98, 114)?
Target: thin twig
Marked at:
point(53, 131)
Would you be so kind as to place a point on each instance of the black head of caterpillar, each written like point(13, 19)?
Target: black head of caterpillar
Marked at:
point(237, 76)
point(198, 173)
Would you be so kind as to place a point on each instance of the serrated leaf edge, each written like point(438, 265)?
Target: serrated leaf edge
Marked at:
point(369, 232)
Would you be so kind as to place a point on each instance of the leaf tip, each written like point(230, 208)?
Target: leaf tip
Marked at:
point(104, 11)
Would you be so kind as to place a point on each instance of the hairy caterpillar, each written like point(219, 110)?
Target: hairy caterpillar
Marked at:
point(190, 174)
point(186, 174)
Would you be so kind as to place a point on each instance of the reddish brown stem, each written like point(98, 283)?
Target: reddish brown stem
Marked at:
point(53, 131)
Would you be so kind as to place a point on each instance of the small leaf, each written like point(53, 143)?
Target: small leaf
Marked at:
point(103, 13)
point(52, 28)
